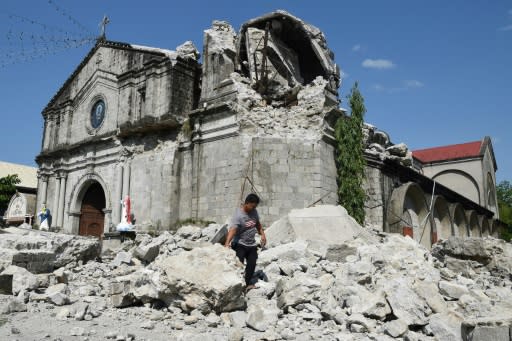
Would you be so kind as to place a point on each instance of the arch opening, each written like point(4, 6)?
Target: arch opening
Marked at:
point(460, 226)
point(92, 215)
point(474, 226)
point(491, 194)
point(442, 218)
point(485, 227)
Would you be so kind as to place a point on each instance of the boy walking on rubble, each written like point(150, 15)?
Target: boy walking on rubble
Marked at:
point(243, 228)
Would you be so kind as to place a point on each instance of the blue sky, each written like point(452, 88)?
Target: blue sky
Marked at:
point(432, 72)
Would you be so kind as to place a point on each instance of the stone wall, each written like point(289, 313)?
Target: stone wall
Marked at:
point(152, 185)
point(292, 173)
point(211, 178)
point(378, 187)
point(286, 173)
point(374, 203)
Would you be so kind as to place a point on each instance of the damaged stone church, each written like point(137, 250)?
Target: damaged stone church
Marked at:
point(186, 139)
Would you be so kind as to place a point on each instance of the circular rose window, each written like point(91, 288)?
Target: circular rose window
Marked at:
point(97, 113)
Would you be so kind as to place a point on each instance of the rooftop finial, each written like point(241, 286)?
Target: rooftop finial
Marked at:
point(103, 26)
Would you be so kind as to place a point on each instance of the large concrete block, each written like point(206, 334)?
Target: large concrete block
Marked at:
point(487, 329)
point(325, 223)
point(147, 253)
point(490, 333)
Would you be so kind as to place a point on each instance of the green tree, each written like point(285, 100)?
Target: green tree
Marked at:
point(350, 162)
point(7, 189)
point(504, 193)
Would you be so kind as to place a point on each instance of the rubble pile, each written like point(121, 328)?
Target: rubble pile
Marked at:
point(303, 118)
point(40, 252)
point(277, 73)
point(361, 285)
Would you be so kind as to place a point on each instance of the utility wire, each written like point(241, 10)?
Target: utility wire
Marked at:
point(27, 45)
point(69, 17)
point(46, 27)
point(24, 56)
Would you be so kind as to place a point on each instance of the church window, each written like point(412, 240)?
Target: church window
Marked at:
point(97, 113)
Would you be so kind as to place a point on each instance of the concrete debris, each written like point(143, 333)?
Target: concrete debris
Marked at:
point(480, 329)
point(12, 305)
point(147, 253)
point(377, 144)
point(21, 279)
point(276, 73)
point(210, 274)
point(42, 252)
point(58, 294)
point(320, 227)
point(398, 150)
point(262, 315)
point(188, 50)
point(276, 63)
point(367, 285)
point(123, 257)
point(396, 328)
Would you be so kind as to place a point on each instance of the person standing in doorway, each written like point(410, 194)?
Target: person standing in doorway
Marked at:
point(241, 236)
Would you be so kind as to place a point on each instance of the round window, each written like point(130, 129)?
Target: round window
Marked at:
point(97, 113)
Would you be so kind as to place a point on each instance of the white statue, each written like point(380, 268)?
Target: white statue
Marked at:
point(44, 217)
point(126, 219)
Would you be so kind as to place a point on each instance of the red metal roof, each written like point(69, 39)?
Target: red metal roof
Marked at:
point(451, 152)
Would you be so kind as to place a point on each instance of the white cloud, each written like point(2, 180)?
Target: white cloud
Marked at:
point(356, 47)
point(378, 87)
point(506, 28)
point(413, 83)
point(380, 64)
point(388, 90)
point(406, 85)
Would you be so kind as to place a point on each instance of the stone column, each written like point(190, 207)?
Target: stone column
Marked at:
point(108, 220)
point(61, 135)
point(47, 132)
point(60, 217)
point(44, 189)
point(55, 209)
point(116, 206)
point(126, 179)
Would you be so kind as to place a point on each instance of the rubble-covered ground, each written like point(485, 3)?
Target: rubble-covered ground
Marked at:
point(311, 285)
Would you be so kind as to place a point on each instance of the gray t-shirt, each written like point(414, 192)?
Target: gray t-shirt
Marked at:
point(246, 225)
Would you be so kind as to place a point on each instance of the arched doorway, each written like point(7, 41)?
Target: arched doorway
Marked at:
point(92, 216)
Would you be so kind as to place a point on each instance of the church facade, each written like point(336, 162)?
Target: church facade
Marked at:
point(114, 121)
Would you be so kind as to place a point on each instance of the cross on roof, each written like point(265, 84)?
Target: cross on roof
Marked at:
point(103, 26)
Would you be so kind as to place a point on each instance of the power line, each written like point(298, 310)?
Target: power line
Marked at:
point(69, 17)
point(13, 37)
point(27, 56)
point(68, 44)
point(22, 46)
point(36, 39)
point(46, 27)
